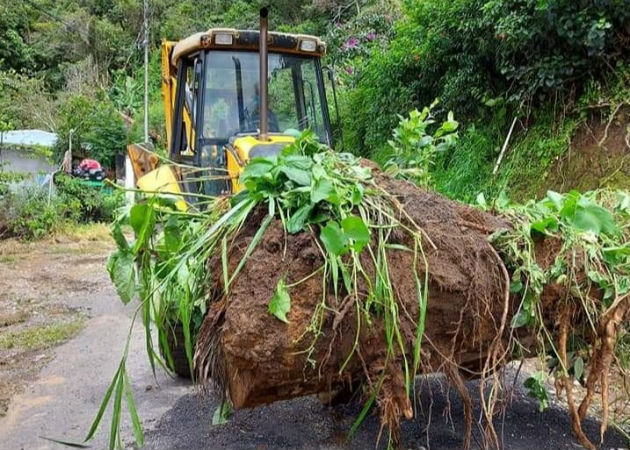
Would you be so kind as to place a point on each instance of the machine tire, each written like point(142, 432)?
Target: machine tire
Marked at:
point(175, 341)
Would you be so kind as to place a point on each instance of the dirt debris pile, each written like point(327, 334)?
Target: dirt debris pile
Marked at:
point(256, 359)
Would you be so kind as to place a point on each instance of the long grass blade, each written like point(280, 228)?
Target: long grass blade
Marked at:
point(131, 404)
point(103, 406)
point(117, 406)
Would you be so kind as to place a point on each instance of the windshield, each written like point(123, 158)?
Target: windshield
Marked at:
point(231, 101)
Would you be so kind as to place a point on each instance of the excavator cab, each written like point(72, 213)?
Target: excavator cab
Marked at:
point(220, 111)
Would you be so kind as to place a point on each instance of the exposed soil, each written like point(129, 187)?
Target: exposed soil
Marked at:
point(599, 155)
point(258, 359)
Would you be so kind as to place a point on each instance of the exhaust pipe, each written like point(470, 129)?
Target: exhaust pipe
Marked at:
point(262, 102)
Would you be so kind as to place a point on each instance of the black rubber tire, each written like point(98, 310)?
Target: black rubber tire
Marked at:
point(175, 340)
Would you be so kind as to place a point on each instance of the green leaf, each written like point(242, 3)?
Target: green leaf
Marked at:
point(172, 236)
point(142, 220)
point(298, 176)
point(299, 162)
point(101, 410)
point(222, 414)
point(257, 170)
point(116, 410)
point(296, 222)
point(524, 316)
point(592, 217)
point(557, 200)
point(481, 201)
point(137, 216)
point(324, 189)
point(544, 224)
point(66, 443)
point(569, 205)
point(521, 319)
point(535, 386)
point(122, 271)
point(257, 167)
point(357, 194)
point(616, 255)
point(516, 286)
point(354, 228)
point(623, 202)
point(280, 303)
point(131, 404)
point(333, 238)
point(578, 368)
point(119, 237)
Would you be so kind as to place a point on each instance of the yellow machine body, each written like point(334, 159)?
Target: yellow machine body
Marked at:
point(153, 177)
point(163, 181)
point(239, 154)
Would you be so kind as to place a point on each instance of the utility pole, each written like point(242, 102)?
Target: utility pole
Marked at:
point(145, 14)
point(130, 182)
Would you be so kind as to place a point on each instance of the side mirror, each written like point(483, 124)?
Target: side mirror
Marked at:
point(338, 129)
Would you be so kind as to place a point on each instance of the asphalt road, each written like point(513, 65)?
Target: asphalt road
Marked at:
point(306, 424)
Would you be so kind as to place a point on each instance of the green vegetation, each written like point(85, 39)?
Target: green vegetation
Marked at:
point(93, 124)
point(412, 152)
point(309, 188)
point(29, 214)
point(42, 336)
point(547, 64)
point(588, 257)
point(35, 212)
point(544, 63)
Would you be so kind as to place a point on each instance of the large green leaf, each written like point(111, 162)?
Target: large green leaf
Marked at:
point(122, 271)
point(137, 215)
point(333, 238)
point(257, 170)
point(298, 176)
point(296, 222)
point(323, 189)
point(280, 303)
point(354, 228)
point(299, 162)
point(142, 220)
point(590, 216)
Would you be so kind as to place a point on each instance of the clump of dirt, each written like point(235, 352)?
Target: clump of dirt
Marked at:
point(257, 359)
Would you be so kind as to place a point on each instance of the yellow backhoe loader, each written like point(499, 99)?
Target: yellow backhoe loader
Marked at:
point(229, 96)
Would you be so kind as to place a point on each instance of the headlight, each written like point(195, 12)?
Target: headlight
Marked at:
point(308, 45)
point(223, 39)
